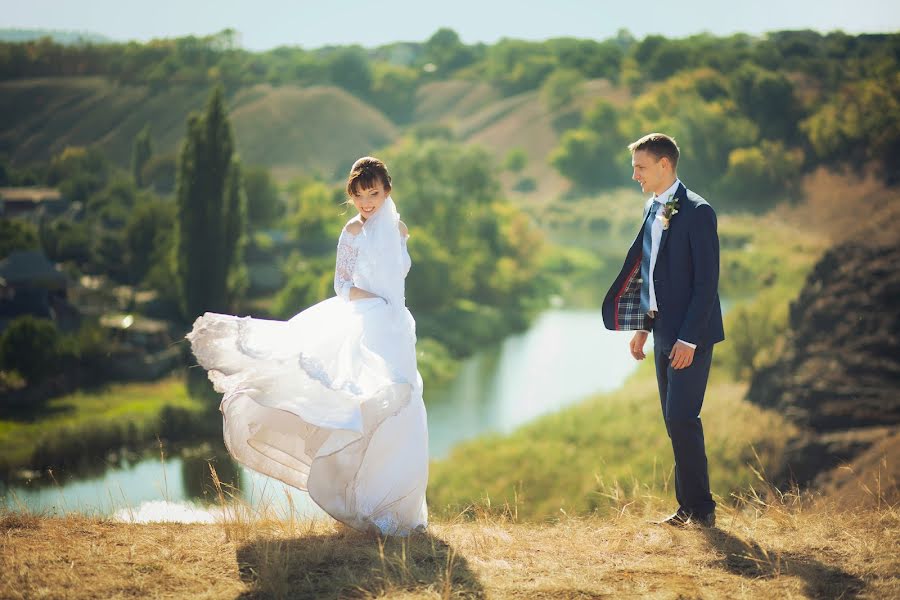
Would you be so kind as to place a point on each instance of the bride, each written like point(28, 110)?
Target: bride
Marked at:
point(330, 401)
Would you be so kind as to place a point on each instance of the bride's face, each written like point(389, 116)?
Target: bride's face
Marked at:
point(368, 201)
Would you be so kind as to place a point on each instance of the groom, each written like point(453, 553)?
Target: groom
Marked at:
point(669, 285)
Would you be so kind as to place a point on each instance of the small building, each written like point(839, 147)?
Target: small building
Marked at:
point(31, 202)
point(32, 285)
point(140, 348)
point(135, 332)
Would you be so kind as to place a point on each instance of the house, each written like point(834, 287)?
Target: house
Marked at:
point(136, 332)
point(140, 348)
point(31, 202)
point(32, 285)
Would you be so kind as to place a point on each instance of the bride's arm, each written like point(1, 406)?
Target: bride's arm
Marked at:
point(347, 253)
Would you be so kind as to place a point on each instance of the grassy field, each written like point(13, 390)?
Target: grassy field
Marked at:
point(92, 422)
point(782, 547)
point(588, 457)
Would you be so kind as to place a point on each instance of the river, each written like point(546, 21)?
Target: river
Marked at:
point(565, 356)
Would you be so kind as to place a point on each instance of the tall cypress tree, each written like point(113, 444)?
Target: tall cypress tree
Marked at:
point(141, 152)
point(211, 214)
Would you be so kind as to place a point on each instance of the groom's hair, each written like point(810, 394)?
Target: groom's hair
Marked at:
point(659, 145)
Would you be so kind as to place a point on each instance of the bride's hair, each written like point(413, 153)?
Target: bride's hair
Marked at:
point(365, 174)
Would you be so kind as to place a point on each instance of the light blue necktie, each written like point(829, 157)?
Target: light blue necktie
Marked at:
point(645, 258)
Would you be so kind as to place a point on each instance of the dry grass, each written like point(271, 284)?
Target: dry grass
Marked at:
point(845, 206)
point(786, 548)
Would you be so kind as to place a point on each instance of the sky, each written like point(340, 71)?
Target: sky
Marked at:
point(265, 24)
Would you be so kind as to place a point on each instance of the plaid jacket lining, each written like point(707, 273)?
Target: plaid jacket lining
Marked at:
point(628, 303)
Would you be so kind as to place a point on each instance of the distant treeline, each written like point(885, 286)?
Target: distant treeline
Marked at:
point(774, 104)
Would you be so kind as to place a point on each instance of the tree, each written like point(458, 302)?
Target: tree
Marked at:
point(160, 173)
point(516, 159)
point(17, 235)
point(860, 126)
point(264, 204)
point(593, 156)
point(469, 244)
point(349, 68)
point(706, 131)
point(760, 176)
point(148, 237)
point(394, 90)
point(560, 88)
point(141, 152)
point(210, 213)
point(316, 219)
point(31, 346)
point(446, 52)
point(67, 240)
point(768, 99)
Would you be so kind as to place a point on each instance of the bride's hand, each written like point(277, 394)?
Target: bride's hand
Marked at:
point(637, 345)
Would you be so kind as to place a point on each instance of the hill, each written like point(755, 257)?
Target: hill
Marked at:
point(288, 129)
point(291, 130)
point(787, 549)
point(477, 114)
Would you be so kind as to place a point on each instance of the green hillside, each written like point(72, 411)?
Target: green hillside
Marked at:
point(288, 129)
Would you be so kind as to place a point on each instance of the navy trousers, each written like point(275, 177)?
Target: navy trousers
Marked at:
point(681, 393)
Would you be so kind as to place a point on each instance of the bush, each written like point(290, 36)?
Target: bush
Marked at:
point(17, 235)
point(560, 88)
point(65, 240)
point(32, 347)
point(759, 177)
point(516, 160)
point(755, 331)
point(160, 173)
point(303, 289)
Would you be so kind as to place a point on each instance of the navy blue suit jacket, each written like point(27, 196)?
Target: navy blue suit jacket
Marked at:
point(686, 279)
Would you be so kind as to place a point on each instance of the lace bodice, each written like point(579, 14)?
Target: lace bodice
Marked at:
point(352, 268)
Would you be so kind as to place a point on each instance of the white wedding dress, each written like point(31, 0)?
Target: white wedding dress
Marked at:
point(330, 401)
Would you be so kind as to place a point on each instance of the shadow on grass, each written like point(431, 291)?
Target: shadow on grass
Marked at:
point(748, 559)
point(349, 564)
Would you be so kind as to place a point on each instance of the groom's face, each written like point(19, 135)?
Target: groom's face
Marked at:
point(649, 171)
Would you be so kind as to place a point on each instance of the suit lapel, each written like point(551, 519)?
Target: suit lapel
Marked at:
point(681, 197)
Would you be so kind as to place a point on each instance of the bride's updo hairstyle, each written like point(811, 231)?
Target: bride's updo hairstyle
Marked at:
point(365, 174)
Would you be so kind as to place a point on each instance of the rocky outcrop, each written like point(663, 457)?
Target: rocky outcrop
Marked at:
point(839, 375)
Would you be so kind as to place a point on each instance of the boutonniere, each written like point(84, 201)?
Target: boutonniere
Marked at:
point(668, 210)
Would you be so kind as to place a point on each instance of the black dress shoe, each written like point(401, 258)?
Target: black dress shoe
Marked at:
point(679, 519)
point(683, 518)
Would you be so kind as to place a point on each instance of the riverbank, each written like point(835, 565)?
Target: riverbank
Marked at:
point(90, 423)
point(764, 549)
point(587, 457)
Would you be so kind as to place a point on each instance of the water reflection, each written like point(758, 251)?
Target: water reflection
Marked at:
point(147, 487)
point(197, 466)
point(564, 357)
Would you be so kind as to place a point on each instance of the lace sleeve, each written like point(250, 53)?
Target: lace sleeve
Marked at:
point(346, 263)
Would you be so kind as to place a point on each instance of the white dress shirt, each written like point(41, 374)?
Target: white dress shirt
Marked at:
point(656, 231)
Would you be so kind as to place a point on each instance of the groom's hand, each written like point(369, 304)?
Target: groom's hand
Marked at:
point(637, 345)
point(681, 356)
